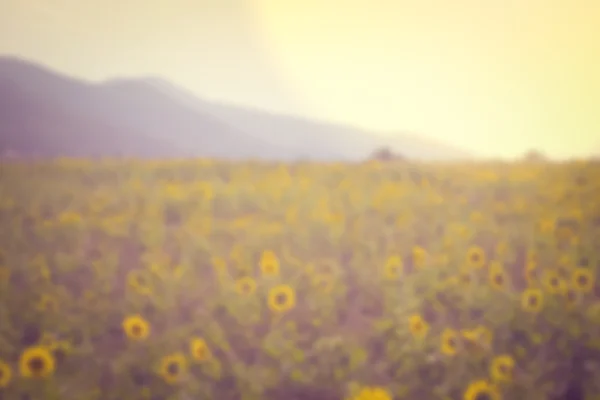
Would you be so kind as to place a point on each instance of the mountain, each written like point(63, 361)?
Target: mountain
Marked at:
point(306, 136)
point(45, 113)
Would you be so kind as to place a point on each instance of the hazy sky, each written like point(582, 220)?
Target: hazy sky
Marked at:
point(495, 77)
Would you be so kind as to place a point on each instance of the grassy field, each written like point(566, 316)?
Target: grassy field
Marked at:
point(207, 280)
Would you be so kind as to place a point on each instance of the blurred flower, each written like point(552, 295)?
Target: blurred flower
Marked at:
point(5, 374)
point(583, 280)
point(449, 342)
point(36, 362)
point(418, 326)
point(497, 277)
point(532, 300)
point(281, 298)
point(419, 256)
point(245, 286)
point(553, 283)
point(269, 263)
point(199, 350)
point(373, 393)
point(139, 281)
point(476, 257)
point(393, 268)
point(136, 328)
point(501, 369)
point(173, 368)
point(481, 390)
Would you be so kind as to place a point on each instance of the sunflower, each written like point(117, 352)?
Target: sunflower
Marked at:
point(136, 327)
point(481, 390)
point(476, 257)
point(245, 286)
point(281, 298)
point(497, 277)
point(583, 280)
point(531, 264)
point(199, 349)
point(393, 268)
point(5, 374)
point(418, 326)
point(501, 248)
point(465, 278)
point(139, 282)
point(502, 368)
point(532, 300)
point(219, 264)
point(571, 298)
point(173, 368)
point(546, 226)
point(477, 339)
point(531, 275)
point(47, 303)
point(419, 256)
point(450, 342)
point(36, 362)
point(372, 393)
point(323, 282)
point(553, 283)
point(269, 263)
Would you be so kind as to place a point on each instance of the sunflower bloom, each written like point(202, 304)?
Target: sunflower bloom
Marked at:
point(571, 298)
point(393, 268)
point(532, 276)
point(323, 282)
point(497, 277)
point(502, 368)
point(269, 263)
point(136, 327)
point(245, 286)
point(5, 374)
point(532, 300)
point(583, 280)
point(419, 256)
point(139, 282)
point(450, 342)
point(479, 338)
point(47, 303)
point(553, 283)
point(173, 368)
point(418, 326)
point(199, 350)
point(480, 390)
point(36, 362)
point(281, 298)
point(373, 393)
point(476, 257)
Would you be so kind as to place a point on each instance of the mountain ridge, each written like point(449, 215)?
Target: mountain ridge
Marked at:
point(172, 121)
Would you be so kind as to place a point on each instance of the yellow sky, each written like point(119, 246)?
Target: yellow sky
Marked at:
point(495, 77)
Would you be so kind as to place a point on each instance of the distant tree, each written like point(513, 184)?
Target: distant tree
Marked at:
point(385, 154)
point(535, 156)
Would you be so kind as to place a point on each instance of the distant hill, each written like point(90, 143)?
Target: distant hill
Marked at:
point(318, 138)
point(48, 114)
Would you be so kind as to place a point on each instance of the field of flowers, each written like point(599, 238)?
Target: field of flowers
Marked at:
point(214, 280)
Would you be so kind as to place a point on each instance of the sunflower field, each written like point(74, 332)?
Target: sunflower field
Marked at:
point(203, 279)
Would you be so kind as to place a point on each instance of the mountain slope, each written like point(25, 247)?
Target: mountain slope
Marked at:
point(46, 113)
point(32, 126)
point(320, 139)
